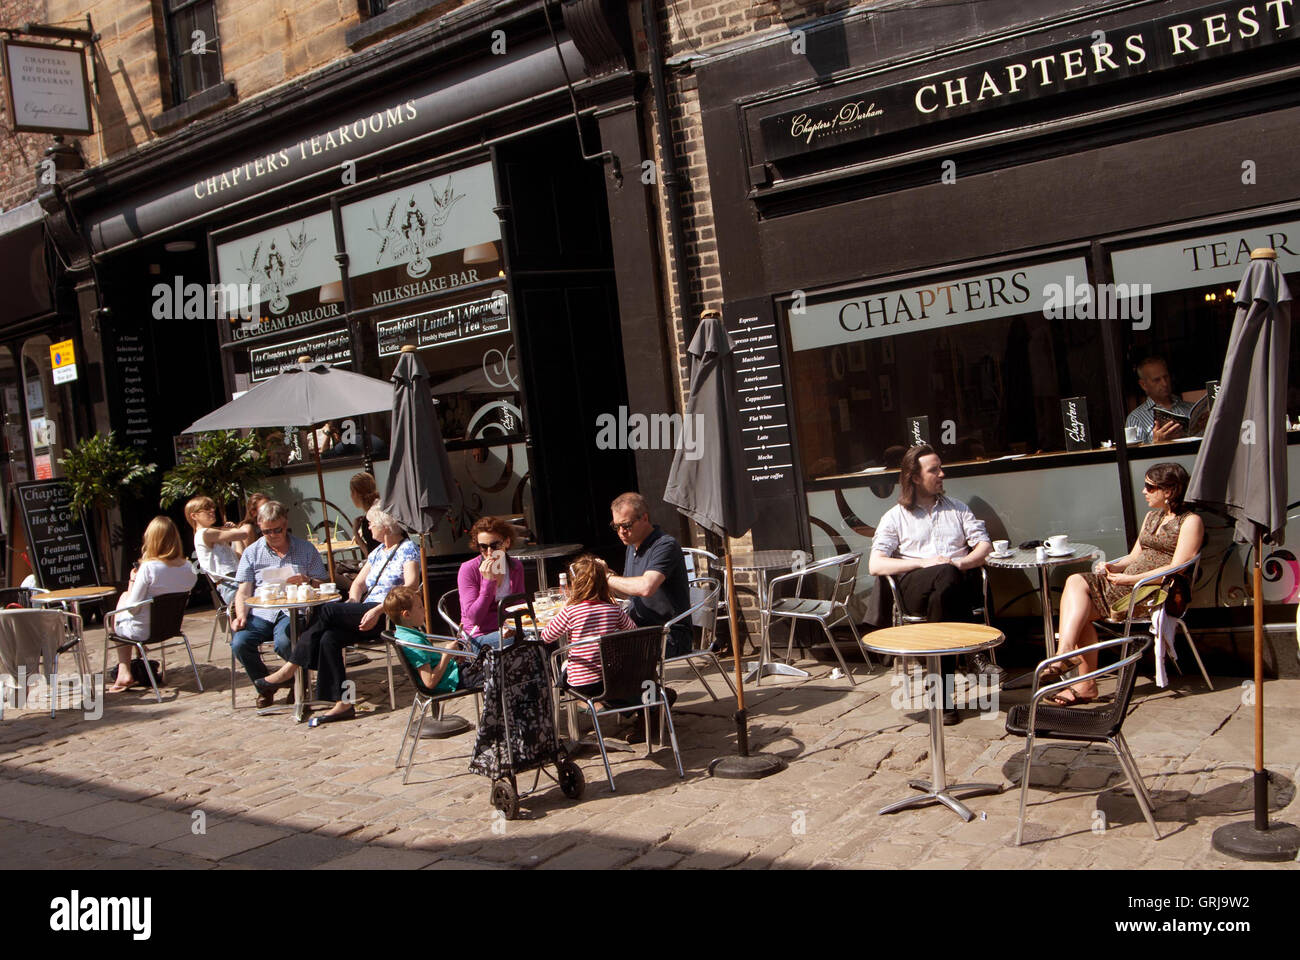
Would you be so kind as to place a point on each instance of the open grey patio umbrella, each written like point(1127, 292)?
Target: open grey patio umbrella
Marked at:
point(418, 492)
point(306, 393)
point(1241, 470)
point(712, 487)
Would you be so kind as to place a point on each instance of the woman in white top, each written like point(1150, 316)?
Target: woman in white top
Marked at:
point(214, 546)
point(162, 569)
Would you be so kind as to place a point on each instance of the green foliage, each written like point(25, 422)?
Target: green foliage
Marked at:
point(221, 465)
point(99, 471)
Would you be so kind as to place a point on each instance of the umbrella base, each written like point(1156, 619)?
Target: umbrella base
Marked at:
point(1278, 844)
point(753, 767)
point(439, 729)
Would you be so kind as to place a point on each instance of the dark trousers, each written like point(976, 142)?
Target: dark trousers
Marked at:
point(320, 646)
point(941, 593)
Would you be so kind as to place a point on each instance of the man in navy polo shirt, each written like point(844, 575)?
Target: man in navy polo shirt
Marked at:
point(654, 571)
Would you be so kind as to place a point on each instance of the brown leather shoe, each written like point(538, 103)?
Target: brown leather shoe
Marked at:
point(265, 700)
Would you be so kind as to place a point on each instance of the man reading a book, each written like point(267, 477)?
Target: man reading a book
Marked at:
point(1161, 416)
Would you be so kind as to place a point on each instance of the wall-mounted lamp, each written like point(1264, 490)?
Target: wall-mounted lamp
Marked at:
point(481, 253)
point(331, 292)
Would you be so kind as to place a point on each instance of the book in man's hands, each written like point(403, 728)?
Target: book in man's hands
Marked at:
point(1161, 417)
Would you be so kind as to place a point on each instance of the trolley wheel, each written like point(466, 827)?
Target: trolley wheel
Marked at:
point(571, 779)
point(506, 799)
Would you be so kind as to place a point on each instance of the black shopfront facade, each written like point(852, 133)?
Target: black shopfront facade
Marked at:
point(966, 224)
point(423, 191)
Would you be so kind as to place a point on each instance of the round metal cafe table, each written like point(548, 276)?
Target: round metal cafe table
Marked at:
point(932, 641)
point(1027, 560)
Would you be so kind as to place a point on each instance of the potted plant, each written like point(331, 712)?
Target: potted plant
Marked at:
point(98, 471)
point(222, 465)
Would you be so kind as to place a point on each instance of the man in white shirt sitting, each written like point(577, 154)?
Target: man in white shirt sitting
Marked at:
point(933, 547)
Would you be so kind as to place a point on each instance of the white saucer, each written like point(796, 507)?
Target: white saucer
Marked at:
point(1002, 556)
point(1060, 553)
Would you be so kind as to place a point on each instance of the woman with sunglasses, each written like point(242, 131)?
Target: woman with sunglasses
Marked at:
point(1171, 535)
point(482, 582)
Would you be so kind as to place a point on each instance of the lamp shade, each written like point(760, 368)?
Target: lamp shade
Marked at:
point(481, 253)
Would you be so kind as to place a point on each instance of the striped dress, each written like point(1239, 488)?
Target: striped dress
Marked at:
point(586, 621)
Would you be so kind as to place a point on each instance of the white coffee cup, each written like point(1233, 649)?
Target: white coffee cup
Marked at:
point(1132, 434)
point(1059, 543)
point(1001, 546)
point(328, 589)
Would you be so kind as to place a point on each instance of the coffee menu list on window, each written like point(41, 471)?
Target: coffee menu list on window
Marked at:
point(761, 398)
point(133, 396)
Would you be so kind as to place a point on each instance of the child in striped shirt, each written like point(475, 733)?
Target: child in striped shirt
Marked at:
point(588, 615)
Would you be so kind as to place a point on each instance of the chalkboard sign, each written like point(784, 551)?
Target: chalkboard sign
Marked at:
point(760, 398)
point(58, 543)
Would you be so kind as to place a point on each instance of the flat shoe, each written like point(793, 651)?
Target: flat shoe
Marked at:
point(347, 714)
point(1074, 701)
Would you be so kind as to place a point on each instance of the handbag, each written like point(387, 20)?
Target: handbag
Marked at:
point(139, 675)
point(1173, 595)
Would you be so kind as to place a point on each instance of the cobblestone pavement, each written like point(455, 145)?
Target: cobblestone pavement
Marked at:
point(189, 783)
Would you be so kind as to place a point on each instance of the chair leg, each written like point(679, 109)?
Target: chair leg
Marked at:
point(1135, 778)
point(857, 639)
point(1196, 654)
point(406, 733)
point(600, 742)
point(144, 656)
point(690, 662)
point(392, 692)
point(415, 741)
point(839, 656)
point(193, 666)
point(233, 677)
point(672, 739)
point(726, 677)
point(1024, 787)
point(212, 636)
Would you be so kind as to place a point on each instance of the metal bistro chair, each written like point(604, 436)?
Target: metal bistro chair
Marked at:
point(15, 596)
point(828, 613)
point(426, 697)
point(1082, 724)
point(165, 619)
point(631, 667)
point(221, 622)
point(25, 631)
point(902, 618)
point(1125, 627)
point(449, 610)
point(707, 609)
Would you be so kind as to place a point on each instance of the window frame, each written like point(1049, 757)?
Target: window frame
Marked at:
point(171, 9)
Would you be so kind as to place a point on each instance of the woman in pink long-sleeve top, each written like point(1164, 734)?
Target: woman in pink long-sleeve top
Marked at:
point(481, 586)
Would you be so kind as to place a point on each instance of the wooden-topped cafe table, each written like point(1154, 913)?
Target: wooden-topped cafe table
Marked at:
point(933, 640)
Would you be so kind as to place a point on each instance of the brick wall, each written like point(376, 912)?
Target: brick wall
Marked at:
point(19, 152)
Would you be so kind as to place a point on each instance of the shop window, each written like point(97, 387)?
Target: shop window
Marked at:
point(1190, 306)
point(193, 47)
point(978, 365)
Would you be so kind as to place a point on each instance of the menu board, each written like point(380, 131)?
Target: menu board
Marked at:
point(58, 543)
point(761, 398)
point(436, 328)
point(1074, 420)
point(132, 396)
point(333, 347)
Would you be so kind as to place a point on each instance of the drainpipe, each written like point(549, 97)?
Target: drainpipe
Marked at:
point(668, 166)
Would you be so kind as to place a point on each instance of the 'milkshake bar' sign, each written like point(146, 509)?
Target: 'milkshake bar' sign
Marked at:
point(1092, 59)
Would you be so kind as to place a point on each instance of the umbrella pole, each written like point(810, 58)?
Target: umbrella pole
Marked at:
point(320, 481)
point(746, 766)
point(1258, 839)
point(424, 587)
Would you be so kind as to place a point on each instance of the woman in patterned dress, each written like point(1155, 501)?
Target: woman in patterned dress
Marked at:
point(1171, 535)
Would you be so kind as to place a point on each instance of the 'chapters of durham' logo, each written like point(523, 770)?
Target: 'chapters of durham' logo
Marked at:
point(849, 115)
point(408, 235)
point(276, 275)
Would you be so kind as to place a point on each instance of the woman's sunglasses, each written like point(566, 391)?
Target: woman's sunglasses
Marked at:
point(494, 545)
point(1150, 487)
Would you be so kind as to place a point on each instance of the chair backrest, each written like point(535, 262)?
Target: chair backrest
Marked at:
point(846, 577)
point(413, 672)
point(700, 560)
point(513, 608)
point(449, 610)
point(19, 595)
point(703, 612)
point(628, 659)
point(1111, 718)
point(166, 614)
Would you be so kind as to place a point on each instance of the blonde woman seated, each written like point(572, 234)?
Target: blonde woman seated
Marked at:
point(162, 569)
point(1171, 535)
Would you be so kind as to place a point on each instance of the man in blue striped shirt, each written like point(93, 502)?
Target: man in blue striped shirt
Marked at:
point(1153, 378)
point(253, 626)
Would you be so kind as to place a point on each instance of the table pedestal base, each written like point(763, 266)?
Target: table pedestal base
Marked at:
point(944, 796)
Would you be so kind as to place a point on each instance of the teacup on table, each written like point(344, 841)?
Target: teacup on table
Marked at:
point(1059, 543)
point(1001, 547)
point(329, 589)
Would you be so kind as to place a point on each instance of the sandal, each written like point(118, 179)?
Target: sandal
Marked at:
point(1076, 699)
point(120, 686)
point(1056, 672)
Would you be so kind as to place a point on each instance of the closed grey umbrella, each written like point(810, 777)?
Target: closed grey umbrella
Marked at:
point(418, 492)
point(709, 483)
point(303, 394)
point(1241, 470)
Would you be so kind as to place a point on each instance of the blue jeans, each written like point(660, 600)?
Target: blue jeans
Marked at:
point(492, 639)
point(246, 643)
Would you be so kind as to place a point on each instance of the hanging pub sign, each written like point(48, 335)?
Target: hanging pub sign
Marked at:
point(1091, 59)
point(1074, 419)
point(425, 238)
point(46, 88)
point(332, 346)
point(436, 328)
point(281, 271)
